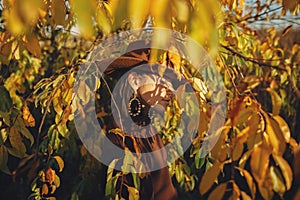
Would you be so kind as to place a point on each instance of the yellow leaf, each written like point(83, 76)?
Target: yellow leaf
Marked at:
point(237, 151)
point(266, 186)
point(245, 196)
point(31, 43)
point(60, 162)
point(138, 12)
point(278, 182)
point(249, 181)
point(27, 116)
point(284, 128)
point(119, 12)
point(84, 11)
point(275, 134)
point(174, 57)
point(13, 21)
point(183, 10)
point(276, 101)
point(133, 193)
point(241, 109)
point(160, 15)
point(84, 92)
point(103, 19)
point(58, 11)
point(219, 150)
point(218, 192)
point(56, 181)
point(285, 169)
point(209, 177)
point(244, 158)
point(259, 162)
point(57, 102)
point(236, 191)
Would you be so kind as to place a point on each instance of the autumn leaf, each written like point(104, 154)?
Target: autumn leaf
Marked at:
point(285, 169)
point(249, 181)
point(60, 162)
point(284, 128)
point(209, 177)
point(218, 192)
point(3, 160)
point(237, 151)
point(50, 175)
point(278, 182)
point(58, 11)
point(275, 135)
point(27, 116)
point(31, 43)
point(276, 101)
point(259, 162)
point(45, 189)
point(18, 147)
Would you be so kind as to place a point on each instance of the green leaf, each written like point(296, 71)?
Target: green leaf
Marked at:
point(6, 102)
point(23, 130)
point(3, 160)
point(110, 188)
point(74, 196)
point(18, 147)
point(3, 135)
point(199, 162)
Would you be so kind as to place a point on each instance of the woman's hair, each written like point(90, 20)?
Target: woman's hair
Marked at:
point(126, 89)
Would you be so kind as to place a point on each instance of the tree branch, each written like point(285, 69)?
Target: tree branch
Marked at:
point(253, 60)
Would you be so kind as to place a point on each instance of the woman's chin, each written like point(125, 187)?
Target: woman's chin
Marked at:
point(161, 107)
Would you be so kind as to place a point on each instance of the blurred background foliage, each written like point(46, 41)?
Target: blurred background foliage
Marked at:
point(256, 47)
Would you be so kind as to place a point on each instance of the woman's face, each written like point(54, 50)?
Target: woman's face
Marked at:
point(155, 94)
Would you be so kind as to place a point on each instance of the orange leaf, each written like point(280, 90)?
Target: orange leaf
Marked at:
point(27, 116)
point(50, 175)
point(285, 169)
point(60, 162)
point(45, 189)
point(58, 11)
point(284, 128)
point(275, 134)
point(209, 177)
point(259, 162)
point(237, 151)
point(31, 43)
point(249, 181)
point(218, 192)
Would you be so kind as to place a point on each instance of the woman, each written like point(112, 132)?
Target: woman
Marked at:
point(137, 95)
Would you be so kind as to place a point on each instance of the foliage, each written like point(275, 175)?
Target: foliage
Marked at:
point(40, 53)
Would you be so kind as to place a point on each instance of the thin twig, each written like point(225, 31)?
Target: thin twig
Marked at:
point(114, 101)
point(253, 60)
point(259, 15)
